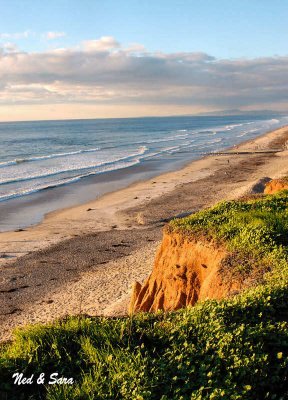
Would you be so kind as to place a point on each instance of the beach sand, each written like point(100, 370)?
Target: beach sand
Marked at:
point(84, 259)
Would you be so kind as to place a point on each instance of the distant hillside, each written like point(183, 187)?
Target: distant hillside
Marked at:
point(236, 111)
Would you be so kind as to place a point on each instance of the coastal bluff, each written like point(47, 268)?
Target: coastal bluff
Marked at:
point(275, 185)
point(211, 254)
point(185, 270)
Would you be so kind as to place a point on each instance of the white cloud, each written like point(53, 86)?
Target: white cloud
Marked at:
point(9, 47)
point(103, 44)
point(135, 48)
point(17, 35)
point(54, 35)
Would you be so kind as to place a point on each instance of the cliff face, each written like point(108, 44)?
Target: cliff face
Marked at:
point(188, 269)
point(276, 185)
point(185, 271)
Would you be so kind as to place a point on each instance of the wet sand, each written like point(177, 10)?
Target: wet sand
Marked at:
point(84, 259)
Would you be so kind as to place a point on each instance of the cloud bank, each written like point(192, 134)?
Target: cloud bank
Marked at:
point(101, 72)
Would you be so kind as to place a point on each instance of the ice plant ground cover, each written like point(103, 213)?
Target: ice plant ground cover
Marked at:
point(235, 348)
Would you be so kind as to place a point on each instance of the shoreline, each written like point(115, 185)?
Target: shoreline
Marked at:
point(113, 244)
point(22, 212)
point(77, 212)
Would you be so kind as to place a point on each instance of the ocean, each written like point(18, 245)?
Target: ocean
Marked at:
point(38, 157)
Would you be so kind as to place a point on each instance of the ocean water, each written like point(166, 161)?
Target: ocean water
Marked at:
point(37, 156)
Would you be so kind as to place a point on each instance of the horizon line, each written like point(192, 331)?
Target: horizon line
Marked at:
point(208, 114)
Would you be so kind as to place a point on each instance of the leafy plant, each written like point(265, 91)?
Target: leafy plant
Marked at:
point(234, 349)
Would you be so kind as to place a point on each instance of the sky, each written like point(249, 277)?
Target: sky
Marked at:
point(92, 59)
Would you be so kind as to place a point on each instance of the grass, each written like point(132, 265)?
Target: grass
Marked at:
point(254, 231)
point(235, 348)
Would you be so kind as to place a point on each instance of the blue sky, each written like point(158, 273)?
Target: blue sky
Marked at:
point(223, 28)
point(116, 58)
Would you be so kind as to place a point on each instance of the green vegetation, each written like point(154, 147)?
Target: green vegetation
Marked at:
point(255, 232)
point(235, 348)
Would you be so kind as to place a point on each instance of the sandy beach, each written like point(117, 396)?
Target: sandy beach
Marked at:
point(84, 259)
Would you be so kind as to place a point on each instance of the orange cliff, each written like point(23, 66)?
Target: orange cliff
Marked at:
point(276, 185)
point(185, 270)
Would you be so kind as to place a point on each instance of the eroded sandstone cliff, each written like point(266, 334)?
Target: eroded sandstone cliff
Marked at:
point(185, 270)
point(188, 267)
point(276, 185)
